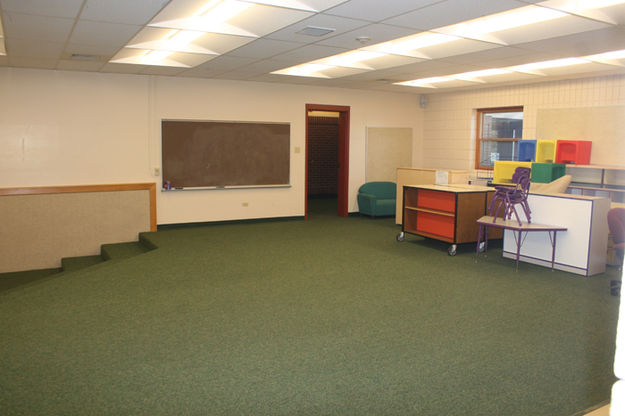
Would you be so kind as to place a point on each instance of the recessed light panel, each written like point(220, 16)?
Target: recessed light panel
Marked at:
point(190, 21)
point(487, 25)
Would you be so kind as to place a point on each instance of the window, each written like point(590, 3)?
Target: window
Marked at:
point(498, 133)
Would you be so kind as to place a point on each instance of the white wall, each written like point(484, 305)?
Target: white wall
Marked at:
point(449, 118)
point(68, 128)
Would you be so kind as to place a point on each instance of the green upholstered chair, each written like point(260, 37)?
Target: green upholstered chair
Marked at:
point(377, 199)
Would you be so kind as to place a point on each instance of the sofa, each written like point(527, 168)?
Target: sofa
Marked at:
point(377, 199)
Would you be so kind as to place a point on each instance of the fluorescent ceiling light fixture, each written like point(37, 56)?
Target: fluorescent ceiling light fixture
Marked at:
point(176, 41)
point(287, 4)
point(212, 18)
point(425, 82)
point(305, 70)
point(408, 45)
point(581, 5)
point(532, 68)
point(351, 59)
point(155, 58)
point(607, 57)
point(497, 22)
point(556, 63)
point(474, 75)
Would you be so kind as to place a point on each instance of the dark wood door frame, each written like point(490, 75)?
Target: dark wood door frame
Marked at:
point(343, 156)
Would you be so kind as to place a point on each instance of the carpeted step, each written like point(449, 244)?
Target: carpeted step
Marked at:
point(70, 264)
point(122, 250)
point(14, 279)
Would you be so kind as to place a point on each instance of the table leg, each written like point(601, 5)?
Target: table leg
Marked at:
point(518, 250)
point(479, 240)
point(486, 239)
point(553, 249)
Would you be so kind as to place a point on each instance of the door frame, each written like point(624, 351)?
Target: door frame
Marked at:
point(343, 157)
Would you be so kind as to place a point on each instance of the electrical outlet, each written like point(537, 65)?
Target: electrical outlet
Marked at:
point(157, 171)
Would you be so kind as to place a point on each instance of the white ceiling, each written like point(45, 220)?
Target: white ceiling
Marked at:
point(83, 35)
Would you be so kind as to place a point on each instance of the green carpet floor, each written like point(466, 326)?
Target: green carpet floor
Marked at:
point(329, 316)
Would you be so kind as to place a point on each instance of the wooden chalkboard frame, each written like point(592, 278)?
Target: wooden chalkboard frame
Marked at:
point(224, 154)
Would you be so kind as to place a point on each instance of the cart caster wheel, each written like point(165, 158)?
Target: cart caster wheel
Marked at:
point(452, 250)
point(400, 237)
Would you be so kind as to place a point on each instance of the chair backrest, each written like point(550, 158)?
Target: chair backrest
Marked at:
point(385, 190)
point(520, 173)
point(521, 178)
point(616, 224)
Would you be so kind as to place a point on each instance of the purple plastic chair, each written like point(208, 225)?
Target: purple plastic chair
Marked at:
point(509, 197)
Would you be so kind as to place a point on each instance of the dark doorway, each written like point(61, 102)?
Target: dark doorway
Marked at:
point(327, 156)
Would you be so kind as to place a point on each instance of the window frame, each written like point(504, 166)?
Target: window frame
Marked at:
point(478, 131)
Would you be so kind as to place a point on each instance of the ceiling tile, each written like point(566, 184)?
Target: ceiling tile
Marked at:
point(34, 48)
point(135, 12)
point(53, 8)
point(376, 32)
point(264, 48)
point(161, 70)
point(376, 10)
point(198, 72)
point(339, 24)
point(122, 68)
point(98, 33)
point(77, 65)
point(307, 53)
point(98, 50)
point(32, 62)
point(225, 63)
point(265, 66)
point(25, 26)
point(451, 11)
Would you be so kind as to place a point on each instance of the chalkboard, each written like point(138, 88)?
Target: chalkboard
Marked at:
point(223, 154)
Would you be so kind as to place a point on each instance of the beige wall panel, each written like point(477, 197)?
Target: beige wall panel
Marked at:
point(603, 126)
point(388, 148)
point(38, 230)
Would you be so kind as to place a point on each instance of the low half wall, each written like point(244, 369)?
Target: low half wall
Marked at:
point(41, 225)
